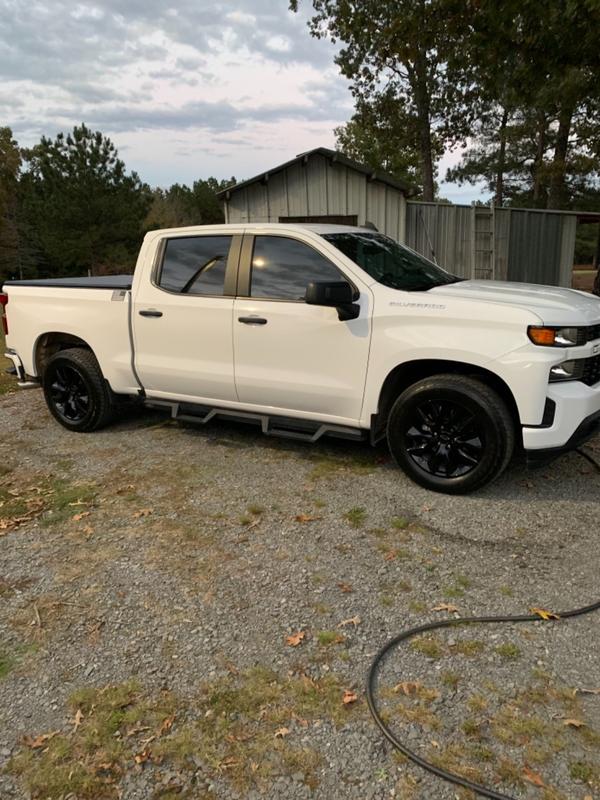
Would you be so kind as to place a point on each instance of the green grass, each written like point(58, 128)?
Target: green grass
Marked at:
point(325, 638)
point(428, 646)
point(583, 771)
point(356, 516)
point(331, 467)
point(65, 500)
point(508, 651)
point(6, 663)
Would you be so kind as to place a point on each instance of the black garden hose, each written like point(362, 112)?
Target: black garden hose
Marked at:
point(452, 777)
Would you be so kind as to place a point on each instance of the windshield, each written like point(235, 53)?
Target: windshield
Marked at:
point(390, 263)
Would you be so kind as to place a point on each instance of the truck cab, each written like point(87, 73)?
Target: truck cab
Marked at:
point(319, 329)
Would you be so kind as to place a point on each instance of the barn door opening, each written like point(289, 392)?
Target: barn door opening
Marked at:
point(329, 219)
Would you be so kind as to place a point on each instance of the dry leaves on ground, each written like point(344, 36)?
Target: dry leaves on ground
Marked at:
point(295, 638)
point(543, 613)
point(352, 621)
point(533, 777)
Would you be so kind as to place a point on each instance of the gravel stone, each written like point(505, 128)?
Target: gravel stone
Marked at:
point(193, 591)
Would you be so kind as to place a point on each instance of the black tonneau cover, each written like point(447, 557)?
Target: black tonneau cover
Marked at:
point(101, 282)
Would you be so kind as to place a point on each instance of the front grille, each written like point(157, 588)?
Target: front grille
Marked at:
point(591, 370)
point(588, 334)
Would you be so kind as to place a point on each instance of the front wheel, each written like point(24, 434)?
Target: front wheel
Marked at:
point(451, 433)
point(75, 390)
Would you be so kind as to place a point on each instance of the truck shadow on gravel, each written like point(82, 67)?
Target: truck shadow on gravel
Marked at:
point(569, 477)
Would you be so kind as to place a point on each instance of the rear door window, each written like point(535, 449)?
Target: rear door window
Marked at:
point(195, 265)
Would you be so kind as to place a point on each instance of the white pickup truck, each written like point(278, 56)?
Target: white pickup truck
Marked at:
point(319, 329)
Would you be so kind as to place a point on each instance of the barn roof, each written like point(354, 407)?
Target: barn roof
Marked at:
point(334, 157)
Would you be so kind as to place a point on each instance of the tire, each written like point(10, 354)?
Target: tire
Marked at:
point(451, 433)
point(76, 392)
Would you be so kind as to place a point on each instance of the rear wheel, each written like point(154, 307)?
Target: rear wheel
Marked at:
point(75, 390)
point(451, 433)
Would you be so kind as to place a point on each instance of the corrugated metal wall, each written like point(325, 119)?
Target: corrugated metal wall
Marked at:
point(499, 243)
point(321, 187)
point(470, 241)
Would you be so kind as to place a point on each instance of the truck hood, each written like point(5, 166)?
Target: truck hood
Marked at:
point(552, 304)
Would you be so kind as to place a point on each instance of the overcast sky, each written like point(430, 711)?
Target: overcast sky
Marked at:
point(203, 87)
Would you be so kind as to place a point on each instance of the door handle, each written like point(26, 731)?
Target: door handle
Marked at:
point(150, 312)
point(252, 320)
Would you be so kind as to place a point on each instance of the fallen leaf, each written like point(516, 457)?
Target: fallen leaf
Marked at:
point(38, 741)
point(143, 512)
point(407, 688)
point(79, 517)
point(281, 732)
point(533, 777)
point(166, 725)
point(306, 518)
point(446, 607)
point(573, 723)
point(228, 762)
point(78, 719)
point(588, 691)
point(137, 729)
point(148, 740)
point(391, 555)
point(544, 613)
point(349, 697)
point(141, 758)
point(352, 621)
point(345, 587)
point(295, 639)
point(435, 744)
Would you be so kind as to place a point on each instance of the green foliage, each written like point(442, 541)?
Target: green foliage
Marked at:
point(181, 205)
point(68, 207)
point(382, 134)
point(536, 132)
point(10, 167)
point(515, 82)
point(85, 210)
point(403, 59)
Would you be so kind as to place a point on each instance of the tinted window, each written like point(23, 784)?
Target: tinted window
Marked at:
point(282, 268)
point(195, 264)
point(390, 263)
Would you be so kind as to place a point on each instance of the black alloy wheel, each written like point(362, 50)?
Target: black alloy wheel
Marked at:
point(76, 392)
point(445, 438)
point(451, 433)
point(69, 392)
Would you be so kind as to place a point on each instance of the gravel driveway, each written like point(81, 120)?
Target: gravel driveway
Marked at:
point(191, 612)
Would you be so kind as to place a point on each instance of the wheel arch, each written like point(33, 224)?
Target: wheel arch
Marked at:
point(47, 344)
point(408, 373)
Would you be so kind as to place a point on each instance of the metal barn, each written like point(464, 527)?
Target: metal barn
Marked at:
point(513, 244)
point(322, 185)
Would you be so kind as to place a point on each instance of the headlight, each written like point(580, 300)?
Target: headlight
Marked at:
point(568, 370)
point(553, 337)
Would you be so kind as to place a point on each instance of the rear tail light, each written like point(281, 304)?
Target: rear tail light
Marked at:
point(3, 304)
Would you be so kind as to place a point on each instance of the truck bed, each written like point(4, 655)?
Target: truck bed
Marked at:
point(100, 282)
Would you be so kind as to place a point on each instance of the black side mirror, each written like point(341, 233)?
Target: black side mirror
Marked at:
point(337, 294)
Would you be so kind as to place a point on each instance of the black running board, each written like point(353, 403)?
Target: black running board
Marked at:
point(271, 425)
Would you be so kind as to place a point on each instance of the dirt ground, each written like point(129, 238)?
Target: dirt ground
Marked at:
point(191, 612)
